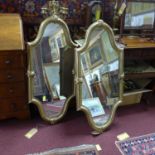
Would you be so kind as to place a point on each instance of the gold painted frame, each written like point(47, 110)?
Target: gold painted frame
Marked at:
point(30, 45)
point(79, 80)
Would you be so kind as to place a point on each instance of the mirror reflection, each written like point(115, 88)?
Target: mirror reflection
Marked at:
point(100, 72)
point(46, 65)
point(140, 15)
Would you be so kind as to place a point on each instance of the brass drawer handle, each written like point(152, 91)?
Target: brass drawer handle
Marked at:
point(8, 62)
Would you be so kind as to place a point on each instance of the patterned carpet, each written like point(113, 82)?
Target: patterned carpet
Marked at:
point(142, 145)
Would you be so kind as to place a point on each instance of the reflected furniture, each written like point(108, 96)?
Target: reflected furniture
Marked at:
point(13, 68)
point(97, 90)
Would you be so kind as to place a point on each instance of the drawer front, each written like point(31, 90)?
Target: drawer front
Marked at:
point(12, 90)
point(150, 53)
point(5, 107)
point(12, 75)
point(139, 53)
point(13, 104)
point(11, 60)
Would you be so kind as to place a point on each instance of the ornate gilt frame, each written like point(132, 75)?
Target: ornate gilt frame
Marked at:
point(78, 75)
point(30, 45)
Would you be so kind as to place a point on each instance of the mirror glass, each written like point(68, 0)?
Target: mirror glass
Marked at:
point(100, 72)
point(139, 15)
point(46, 65)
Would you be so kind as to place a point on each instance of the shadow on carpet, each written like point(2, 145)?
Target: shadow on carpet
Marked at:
point(142, 145)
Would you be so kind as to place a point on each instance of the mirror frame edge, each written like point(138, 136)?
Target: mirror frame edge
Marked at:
point(30, 71)
point(78, 77)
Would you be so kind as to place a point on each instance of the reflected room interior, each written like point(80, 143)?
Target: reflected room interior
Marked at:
point(46, 85)
point(47, 79)
point(100, 71)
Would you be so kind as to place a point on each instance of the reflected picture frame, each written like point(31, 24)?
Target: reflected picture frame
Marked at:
point(109, 53)
point(94, 54)
point(60, 39)
point(51, 74)
point(95, 106)
point(55, 52)
point(84, 62)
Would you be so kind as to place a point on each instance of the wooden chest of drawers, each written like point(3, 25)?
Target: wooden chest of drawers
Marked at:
point(13, 68)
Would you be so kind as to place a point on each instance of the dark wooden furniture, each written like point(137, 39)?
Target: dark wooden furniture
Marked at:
point(140, 50)
point(13, 79)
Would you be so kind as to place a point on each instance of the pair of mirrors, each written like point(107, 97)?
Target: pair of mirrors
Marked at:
point(59, 70)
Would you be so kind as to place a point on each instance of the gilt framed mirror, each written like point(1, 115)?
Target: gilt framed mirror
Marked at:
point(50, 76)
point(139, 18)
point(99, 76)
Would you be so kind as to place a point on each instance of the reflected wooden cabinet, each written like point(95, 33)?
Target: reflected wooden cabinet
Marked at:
point(98, 91)
point(13, 79)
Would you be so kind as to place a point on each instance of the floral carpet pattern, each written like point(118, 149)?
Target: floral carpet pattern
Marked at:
point(142, 145)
